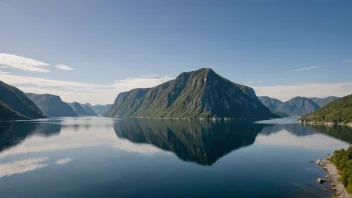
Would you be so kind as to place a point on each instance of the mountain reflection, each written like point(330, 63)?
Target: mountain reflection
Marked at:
point(295, 129)
point(202, 142)
point(13, 133)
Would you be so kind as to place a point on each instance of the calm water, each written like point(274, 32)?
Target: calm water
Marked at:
point(100, 157)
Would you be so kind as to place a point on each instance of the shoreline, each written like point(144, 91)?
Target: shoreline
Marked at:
point(329, 124)
point(333, 178)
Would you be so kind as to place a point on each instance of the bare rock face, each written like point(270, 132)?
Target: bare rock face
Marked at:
point(52, 105)
point(197, 94)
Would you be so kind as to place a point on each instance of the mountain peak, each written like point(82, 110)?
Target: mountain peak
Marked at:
point(201, 93)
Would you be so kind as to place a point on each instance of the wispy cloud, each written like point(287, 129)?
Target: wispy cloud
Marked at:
point(64, 67)
point(286, 92)
point(348, 61)
point(22, 63)
point(78, 91)
point(302, 69)
point(3, 67)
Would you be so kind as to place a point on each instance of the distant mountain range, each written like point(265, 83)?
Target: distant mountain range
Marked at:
point(296, 106)
point(324, 101)
point(15, 105)
point(83, 109)
point(101, 109)
point(338, 111)
point(52, 105)
point(197, 94)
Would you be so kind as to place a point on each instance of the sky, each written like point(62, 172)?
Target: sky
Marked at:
point(89, 51)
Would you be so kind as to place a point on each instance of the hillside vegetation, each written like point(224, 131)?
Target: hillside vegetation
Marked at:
point(197, 94)
point(339, 111)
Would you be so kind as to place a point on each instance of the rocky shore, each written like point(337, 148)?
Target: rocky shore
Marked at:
point(333, 177)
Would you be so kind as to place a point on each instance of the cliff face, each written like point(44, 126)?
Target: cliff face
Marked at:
point(52, 105)
point(201, 93)
point(16, 105)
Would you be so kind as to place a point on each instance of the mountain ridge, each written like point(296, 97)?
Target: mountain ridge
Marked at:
point(16, 105)
point(196, 94)
point(296, 106)
point(52, 105)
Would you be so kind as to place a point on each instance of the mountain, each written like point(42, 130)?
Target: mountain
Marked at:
point(337, 112)
point(6, 113)
point(101, 109)
point(324, 101)
point(14, 104)
point(77, 108)
point(271, 103)
point(202, 93)
point(52, 105)
point(297, 106)
point(88, 108)
point(82, 109)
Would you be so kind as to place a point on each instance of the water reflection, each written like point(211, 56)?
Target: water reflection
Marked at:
point(149, 155)
point(199, 141)
point(13, 133)
point(202, 142)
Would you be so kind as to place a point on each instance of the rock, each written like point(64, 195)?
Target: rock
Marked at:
point(325, 167)
point(320, 180)
point(318, 162)
point(327, 176)
point(332, 184)
point(333, 188)
point(326, 188)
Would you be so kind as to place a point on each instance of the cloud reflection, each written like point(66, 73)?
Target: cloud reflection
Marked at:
point(63, 161)
point(21, 166)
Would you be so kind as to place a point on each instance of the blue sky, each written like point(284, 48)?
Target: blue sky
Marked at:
point(281, 48)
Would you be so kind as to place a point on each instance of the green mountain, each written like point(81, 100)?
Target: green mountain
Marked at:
point(337, 111)
point(324, 101)
point(271, 103)
point(297, 106)
point(83, 109)
point(6, 113)
point(16, 105)
point(101, 109)
point(202, 93)
point(52, 105)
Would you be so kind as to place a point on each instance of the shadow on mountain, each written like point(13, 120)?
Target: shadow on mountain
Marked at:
point(202, 142)
point(13, 133)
